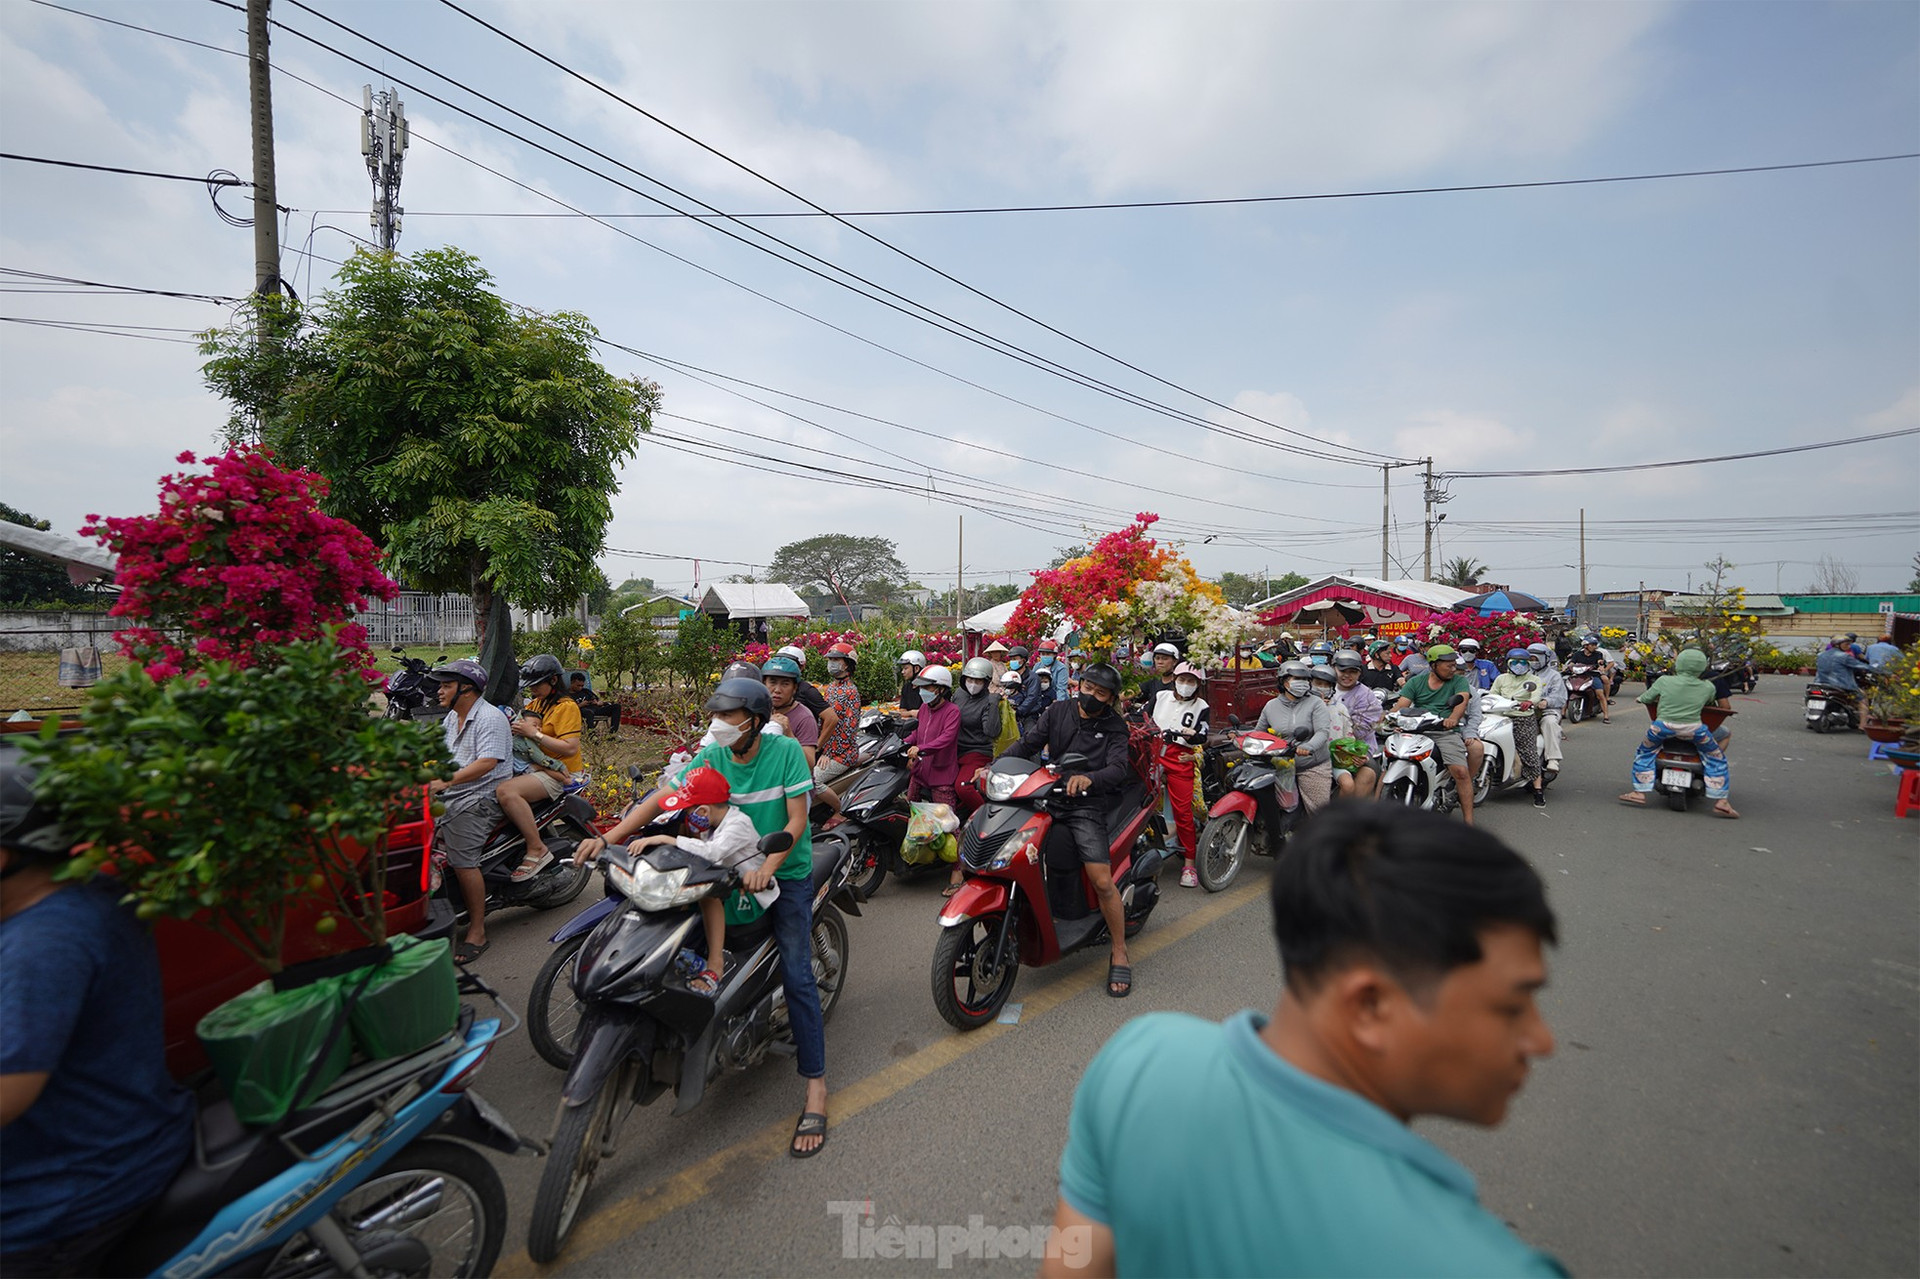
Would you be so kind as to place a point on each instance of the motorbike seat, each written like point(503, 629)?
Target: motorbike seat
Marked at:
point(1131, 799)
point(828, 854)
point(226, 1159)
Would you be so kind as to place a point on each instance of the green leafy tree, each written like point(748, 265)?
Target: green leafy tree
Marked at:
point(698, 650)
point(478, 440)
point(1463, 572)
point(635, 590)
point(27, 579)
point(1065, 553)
point(842, 565)
point(1244, 589)
point(626, 649)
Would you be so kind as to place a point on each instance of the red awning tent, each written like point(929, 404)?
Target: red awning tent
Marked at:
point(1382, 600)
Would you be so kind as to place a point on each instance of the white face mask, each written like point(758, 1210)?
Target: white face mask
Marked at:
point(836, 669)
point(1299, 687)
point(723, 733)
point(1185, 688)
point(976, 686)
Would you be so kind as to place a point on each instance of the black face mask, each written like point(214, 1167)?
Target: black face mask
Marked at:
point(1092, 705)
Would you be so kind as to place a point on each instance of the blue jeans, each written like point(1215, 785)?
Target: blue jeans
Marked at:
point(792, 913)
point(1713, 758)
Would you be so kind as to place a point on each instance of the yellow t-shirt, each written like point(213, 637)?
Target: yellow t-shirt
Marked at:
point(562, 719)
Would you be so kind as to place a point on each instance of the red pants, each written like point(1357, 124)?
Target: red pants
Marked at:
point(967, 790)
point(1178, 761)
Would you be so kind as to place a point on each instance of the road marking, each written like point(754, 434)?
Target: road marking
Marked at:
point(615, 1222)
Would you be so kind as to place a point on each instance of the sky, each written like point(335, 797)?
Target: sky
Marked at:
point(1493, 330)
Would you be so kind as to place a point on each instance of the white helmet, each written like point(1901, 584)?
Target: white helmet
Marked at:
point(1010, 680)
point(912, 657)
point(1167, 650)
point(935, 675)
point(794, 651)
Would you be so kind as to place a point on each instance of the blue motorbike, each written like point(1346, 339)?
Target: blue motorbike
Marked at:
point(368, 1179)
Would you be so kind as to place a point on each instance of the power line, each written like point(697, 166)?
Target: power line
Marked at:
point(770, 214)
point(215, 181)
point(1691, 461)
point(904, 305)
point(112, 288)
point(76, 326)
point(893, 248)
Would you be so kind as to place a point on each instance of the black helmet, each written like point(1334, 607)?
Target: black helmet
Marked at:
point(741, 670)
point(464, 670)
point(1101, 675)
point(543, 667)
point(740, 693)
point(29, 824)
point(1019, 651)
point(1348, 660)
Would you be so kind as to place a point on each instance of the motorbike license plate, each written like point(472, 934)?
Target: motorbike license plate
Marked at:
point(1676, 777)
point(1816, 704)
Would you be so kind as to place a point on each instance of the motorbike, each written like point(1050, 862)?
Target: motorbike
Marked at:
point(873, 810)
point(1014, 908)
point(1255, 809)
point(1583, 691)
point(1414, 775)
point(643, 1031)
point(1679, 773)
point(1500, 768)
point(374, 1176)
point(1832, 708)
point(562, 823)
point(411, 692)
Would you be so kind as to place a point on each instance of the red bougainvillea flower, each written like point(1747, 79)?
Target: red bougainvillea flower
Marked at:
point(239, 559)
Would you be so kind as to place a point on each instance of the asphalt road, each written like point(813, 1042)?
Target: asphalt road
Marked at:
point(1737, 1089)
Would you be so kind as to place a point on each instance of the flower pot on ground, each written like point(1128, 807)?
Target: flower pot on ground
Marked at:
point(1885, 730)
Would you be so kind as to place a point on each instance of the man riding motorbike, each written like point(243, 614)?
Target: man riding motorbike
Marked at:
point(1591, 655)
point(1443, 691)
point(479, 743)
point(1087, 726)
point(1837, 667)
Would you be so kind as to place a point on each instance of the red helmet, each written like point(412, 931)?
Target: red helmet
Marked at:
point(1049, 646)
point(844, 651)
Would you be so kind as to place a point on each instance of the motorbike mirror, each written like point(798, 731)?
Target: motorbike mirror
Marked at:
point(1233, 721)
point(778, 842)
point(398, 649)
point(633, 772)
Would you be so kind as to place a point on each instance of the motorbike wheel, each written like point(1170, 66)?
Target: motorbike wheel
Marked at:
point(584, 1131)
point(1402, 792)
point(830, 949)
point(1222, 851)
point(872, 871)
point(439, 1194)
point(1483, 785)
point(965, 996)
point(1677, 800)
point(1818, 725)
point(1576, 710)
point(553, 1012)
point(568, 883)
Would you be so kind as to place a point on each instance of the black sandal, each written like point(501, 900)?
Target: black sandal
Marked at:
point(466, 952)
point(1120, 975)
point(812, 1124)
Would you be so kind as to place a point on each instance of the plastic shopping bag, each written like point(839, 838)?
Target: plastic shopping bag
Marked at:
point(930, 835)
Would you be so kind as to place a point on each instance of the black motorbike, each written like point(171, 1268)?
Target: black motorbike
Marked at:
point(873, 812)
point(1832, 709)
point(411, 692)
point(642, 1030)
point(562, 823)
point(1583, 691)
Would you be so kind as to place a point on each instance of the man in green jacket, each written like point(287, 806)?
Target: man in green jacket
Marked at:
point(1678, 700)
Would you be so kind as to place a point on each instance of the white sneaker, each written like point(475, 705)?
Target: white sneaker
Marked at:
point(1188, 879)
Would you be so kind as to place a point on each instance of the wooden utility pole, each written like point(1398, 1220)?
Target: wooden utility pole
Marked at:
point(266, 215)
point(1582, 611)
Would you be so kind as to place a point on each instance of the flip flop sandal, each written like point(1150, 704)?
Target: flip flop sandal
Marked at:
point(812, 1124)
point(466, 952)
point(1120, 975)
point(524, 872)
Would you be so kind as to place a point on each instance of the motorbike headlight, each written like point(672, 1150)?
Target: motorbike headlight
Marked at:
point(999, 787)
point(1026, 841)
point(655, 890)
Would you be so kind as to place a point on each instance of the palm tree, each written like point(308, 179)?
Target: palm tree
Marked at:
point(1463, 572)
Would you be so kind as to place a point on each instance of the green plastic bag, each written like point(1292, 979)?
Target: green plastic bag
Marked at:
point(742, 907)
point(1009, 730)
point(263, 1042)
point(410, 1001)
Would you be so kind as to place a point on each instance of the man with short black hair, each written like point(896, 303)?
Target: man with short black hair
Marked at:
point(479, 743)
point(1441, 690)
point(1411, 954)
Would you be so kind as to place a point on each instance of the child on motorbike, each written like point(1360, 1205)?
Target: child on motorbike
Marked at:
point(719, 833)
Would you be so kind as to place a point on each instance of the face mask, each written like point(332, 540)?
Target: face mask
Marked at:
point(1092, 705)
point(1519, 668)
point(1015, 664)
point(976, 686)
point(836, 669)
point(1299, 687)
point(723, 733)
point(1323, 691)
point(698, 822)
point(1185, 688)
point(1045, 660)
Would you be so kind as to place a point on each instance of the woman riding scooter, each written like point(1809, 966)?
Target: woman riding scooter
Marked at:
point(1300, 717)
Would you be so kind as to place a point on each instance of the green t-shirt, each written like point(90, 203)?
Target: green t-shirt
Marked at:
point(1207, 1154)
point(1680, 698)
point(1425, 697)
point(760, 790)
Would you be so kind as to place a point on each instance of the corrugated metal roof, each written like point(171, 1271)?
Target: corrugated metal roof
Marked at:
point(1430, 595)
point(1902, 601)
point(753, 599)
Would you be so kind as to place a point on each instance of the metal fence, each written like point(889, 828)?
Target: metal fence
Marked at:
point(418, 617)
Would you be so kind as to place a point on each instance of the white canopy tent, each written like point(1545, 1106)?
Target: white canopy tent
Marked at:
point(992, 621)
point(84, 562)
point(738, 600)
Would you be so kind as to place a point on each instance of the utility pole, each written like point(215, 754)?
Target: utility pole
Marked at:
point(960, 586)
point(1386, 506)
point(1583, 568)
point(383, 140)
point(266, 216)
point(1433, 497)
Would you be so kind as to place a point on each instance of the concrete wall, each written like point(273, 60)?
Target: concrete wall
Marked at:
point(50, 632)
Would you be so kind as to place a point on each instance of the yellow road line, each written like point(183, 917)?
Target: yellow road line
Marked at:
point(616, 1221)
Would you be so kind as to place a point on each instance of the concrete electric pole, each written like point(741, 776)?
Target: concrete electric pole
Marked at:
point(383, 140)
point(266, 218)
point(1434, 497)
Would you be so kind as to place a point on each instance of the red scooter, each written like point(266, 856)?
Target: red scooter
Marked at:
point(1002, 916)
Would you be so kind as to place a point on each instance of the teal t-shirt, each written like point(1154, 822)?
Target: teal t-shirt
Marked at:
point(1206, 1154)
point(760, 789)
point(1425, 697)
point(1679, 699)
